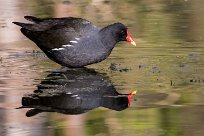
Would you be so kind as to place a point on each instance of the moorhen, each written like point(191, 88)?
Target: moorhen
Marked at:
point(74, 42)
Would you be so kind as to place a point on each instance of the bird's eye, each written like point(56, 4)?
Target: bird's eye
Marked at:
point(123, 33)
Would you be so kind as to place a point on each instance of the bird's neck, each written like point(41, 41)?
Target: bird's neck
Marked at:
point(108, 37)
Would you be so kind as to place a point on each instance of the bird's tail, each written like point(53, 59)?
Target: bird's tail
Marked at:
point(33, 19)
point(23, 25)
point(28, 26)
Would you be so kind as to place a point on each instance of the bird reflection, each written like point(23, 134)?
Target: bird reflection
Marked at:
point(75, 91)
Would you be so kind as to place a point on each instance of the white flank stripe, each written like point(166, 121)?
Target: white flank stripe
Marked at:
point(67, 45)
point(77, 39)
point(73, 41)
point(57, 49)
point(74, 95)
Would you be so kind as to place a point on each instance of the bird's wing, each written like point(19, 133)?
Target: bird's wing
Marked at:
point(53, 33)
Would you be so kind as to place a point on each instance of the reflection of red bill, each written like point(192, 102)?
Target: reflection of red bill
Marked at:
point(129, 39)
point(130, 95)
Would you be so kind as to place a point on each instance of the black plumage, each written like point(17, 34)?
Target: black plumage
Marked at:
point(73, 42)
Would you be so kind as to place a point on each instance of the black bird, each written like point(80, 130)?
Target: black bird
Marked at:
point(75, 91)
point(74, 42)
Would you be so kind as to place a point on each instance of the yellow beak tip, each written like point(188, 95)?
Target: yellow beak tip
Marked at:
point(133, 43)
point(134, 92)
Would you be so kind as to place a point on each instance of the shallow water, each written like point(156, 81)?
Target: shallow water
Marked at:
point(166, 69)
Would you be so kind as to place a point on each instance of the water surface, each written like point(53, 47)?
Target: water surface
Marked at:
point(166, 69)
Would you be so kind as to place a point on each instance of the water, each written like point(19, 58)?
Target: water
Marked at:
point(166, 69)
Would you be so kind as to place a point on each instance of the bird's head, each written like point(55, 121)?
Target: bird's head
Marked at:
point(122, 33)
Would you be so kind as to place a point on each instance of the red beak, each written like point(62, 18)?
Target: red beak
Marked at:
point(129, 39)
